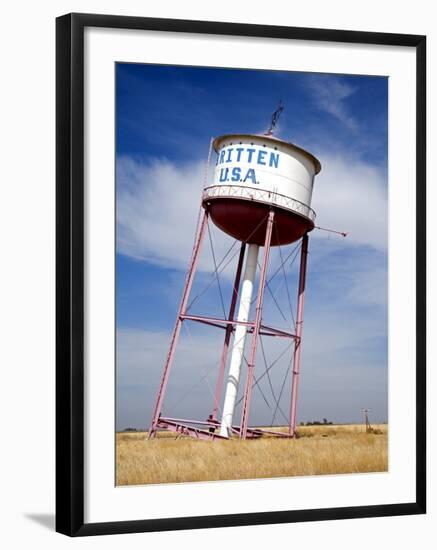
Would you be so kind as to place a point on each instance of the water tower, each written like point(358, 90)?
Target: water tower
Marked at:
point(261, 196)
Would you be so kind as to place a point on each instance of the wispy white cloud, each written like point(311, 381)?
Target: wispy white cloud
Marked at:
point(157, 210)
point(329, 95)
point(351, 196)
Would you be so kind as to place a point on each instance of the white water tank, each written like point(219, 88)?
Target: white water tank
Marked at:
point(255, 173)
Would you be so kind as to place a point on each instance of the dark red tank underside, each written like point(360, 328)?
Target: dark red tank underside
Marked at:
point(246, 221)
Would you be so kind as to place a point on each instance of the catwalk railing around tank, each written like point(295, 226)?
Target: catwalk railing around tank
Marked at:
point(259, 195)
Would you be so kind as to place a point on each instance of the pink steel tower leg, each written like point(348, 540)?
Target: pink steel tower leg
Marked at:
point(298, 339)
point(221, 375)
point(177, 329)
point(256, 328)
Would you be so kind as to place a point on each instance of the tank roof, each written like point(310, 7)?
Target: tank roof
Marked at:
point(273, 140)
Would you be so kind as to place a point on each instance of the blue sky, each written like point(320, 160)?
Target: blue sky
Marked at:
point(165, 118)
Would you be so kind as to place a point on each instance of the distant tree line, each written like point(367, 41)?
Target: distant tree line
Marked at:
point(324, 422)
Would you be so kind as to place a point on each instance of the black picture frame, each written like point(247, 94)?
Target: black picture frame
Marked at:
point(70, 273)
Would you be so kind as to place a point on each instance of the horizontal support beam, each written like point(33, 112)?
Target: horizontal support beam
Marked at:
point(191, 431)
point(215, 321)
point(186, 421)
point(212, 423)
point(181, 426)
point(222, 323)
point(205, 321)
point(272, 331)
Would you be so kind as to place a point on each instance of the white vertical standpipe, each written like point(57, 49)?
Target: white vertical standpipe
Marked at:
point(239, 340)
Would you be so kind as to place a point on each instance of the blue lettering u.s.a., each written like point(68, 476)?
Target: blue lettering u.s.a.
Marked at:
point(235, 175)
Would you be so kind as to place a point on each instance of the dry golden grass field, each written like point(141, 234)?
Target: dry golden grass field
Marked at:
point(319, 450)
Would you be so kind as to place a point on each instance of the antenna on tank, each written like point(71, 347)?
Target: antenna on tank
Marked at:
point(275, 118)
